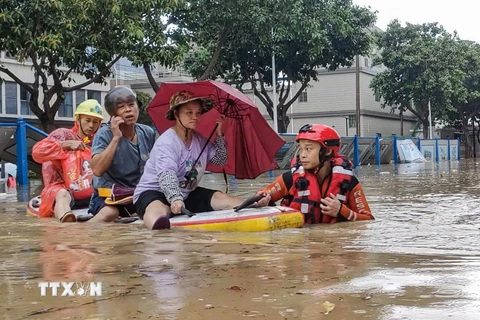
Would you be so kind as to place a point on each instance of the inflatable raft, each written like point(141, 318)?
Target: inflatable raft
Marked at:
point(245, 220)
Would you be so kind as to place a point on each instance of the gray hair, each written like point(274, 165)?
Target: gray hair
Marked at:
point(118, 94)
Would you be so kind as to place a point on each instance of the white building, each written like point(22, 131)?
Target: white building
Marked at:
point(14, 100)
point(330, 100)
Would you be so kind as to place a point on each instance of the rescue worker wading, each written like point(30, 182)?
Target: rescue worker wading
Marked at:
point(321, 184)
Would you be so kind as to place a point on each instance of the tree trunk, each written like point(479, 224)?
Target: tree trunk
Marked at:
point(48, 117)
point(282, 126)
point(468, 144)
point(216, 54)
point(283, 119)
point(48, 122)
point(425, 124)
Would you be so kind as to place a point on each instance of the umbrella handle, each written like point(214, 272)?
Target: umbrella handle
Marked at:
point(189, 173)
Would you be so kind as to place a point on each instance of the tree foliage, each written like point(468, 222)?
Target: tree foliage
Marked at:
point(82, 36)
point(424, 62)
point(235, 40)
point(144, 100)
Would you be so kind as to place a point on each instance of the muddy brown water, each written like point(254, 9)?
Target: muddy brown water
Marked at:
point(418, 259)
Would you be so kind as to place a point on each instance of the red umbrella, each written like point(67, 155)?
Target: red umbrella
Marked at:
point(252, 144)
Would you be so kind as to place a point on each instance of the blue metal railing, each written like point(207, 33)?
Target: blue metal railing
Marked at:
point(377, 147)
point(22, 148)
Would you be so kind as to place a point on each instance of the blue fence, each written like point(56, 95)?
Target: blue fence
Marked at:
point(361, 150)
point(21, 148)
point(382, 150)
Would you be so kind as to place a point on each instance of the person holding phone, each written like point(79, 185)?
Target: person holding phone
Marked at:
point(119, 152)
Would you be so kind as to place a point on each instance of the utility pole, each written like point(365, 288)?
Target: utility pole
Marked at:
point(274, 87)
point(357, 83)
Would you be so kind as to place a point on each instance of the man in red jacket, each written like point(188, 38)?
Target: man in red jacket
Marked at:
point(321, 184)
point(56, 198)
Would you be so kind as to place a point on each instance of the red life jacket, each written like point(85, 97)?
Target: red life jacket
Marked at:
point(305, 194)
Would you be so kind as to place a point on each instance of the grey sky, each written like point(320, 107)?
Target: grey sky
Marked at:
point(459, 15)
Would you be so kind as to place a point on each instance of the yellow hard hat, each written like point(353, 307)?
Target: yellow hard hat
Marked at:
point(90, 107)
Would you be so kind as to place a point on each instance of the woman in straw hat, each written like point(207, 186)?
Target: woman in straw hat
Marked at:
point(172, 174)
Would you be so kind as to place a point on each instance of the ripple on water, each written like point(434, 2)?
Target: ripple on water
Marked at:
point(418, 259)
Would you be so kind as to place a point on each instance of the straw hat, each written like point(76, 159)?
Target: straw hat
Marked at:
point(182, 97)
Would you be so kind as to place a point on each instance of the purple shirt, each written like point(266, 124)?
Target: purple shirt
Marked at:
point(170, 154)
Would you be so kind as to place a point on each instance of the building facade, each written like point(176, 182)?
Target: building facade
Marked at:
point(330, 100)
point(14, 100)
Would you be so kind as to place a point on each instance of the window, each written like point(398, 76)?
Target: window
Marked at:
point(66, 108)
point(367, 62)
point(352, 123)
point(377, 97)
point(24, 102)
point(97, 95)
point(10, 97)
point(303, 96)
point(79, 96)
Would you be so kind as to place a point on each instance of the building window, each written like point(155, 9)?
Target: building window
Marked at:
point(377, 97)
point(303, 96)
point(97, 95)
point(367, 62)
point(352, 123)
point(24, 102)
point(79, 96)
point(11, 97)
point(66, 108)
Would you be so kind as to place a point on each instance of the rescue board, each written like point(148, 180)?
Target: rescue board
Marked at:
point(246, 220)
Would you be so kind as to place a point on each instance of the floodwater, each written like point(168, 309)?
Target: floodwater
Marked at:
point(418, 260)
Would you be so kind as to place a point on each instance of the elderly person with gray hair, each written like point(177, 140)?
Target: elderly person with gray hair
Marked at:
point(119, 153)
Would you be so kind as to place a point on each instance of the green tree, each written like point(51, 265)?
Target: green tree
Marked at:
point(82, 36)
point(235, 41)
point(467, 102)
point(423, 62)
point(144, 100)
point(162, 42)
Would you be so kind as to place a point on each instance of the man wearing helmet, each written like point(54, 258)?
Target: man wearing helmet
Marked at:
point(321, 184)
point(56, 197)
point(119, 153)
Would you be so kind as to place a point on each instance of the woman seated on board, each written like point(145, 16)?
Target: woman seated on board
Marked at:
point(165, 187)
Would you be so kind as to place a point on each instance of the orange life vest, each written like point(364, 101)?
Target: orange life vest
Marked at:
point(305, 194)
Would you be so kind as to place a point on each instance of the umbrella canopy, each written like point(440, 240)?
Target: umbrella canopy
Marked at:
point(251, 142)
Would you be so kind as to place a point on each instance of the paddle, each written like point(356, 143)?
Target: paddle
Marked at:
point(187, 212)
point(248, 202)
point(126, 219)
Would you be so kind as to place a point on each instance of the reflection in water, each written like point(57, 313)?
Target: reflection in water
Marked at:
point(417, 260)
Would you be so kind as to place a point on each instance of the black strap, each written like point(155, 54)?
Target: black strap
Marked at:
point(189, 173)
point(226, 180)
